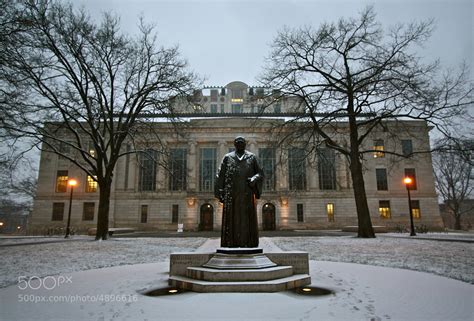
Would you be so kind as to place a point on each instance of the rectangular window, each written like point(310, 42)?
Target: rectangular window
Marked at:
point(330, 211)
point(299, 212)
point(207, 170)
point(415, 209)
point(58, 212)
point(147, 175)
point(222, 108)
point(297, 169)
point(237, 95)
point(277, 108)
point(379, 148)
point(61, 181)
point(175, 213)
point(88, 211)
point(410, 172)
point(236, 108)
point(407, 147)
point(384, 209)
point(213, 108)
point(327, 169)
point(91, 185)
point(214, 93)
point(268, 163)
point(144, 214)
point(381, 175)
point(178, 169)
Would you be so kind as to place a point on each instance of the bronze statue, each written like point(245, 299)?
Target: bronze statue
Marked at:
point(238, 184)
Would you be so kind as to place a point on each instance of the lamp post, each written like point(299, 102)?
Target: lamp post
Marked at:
point(408, 182)
point(71, 183)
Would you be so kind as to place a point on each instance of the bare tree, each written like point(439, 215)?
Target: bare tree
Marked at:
point(81, 89)
point(352, 71)
point(454, 177)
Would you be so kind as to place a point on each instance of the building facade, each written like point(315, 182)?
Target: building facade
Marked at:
point(172, 181)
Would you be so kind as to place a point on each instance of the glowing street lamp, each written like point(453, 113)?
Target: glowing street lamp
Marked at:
point(408, 181)
point(71, 183)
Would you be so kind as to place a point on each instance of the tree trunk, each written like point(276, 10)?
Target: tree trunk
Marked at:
point(457, 222)
point(363, 215)
point(103, 213)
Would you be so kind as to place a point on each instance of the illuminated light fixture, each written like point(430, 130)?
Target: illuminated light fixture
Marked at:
point(208, 205)
point(284, 201)
point(72, 182)
point(237, 100)
point(407, 180)
point(18, 227)
point(306, 289)
point(191, 201)
point(173, 291)
point(1, 223)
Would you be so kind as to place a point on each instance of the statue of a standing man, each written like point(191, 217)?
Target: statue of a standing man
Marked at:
point(238, 184)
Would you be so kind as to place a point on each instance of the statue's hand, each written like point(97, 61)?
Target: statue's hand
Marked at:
point(251, 181)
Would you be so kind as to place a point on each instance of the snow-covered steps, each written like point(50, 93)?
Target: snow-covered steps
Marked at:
point(239, 275)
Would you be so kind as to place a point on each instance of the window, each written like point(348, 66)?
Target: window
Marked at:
point(277, 108)
point(178, 169)
point(330, 211)
point(327, 169)
point(88, 211)
point(175, 213)
point(207, 168)
point(147, 175)
point(236, 108)
point(222, 108)
point(267, 160)
point(58, 212)
point(415, 209)
point(91, 184)
point(237, 95)
point(214, 93)
point(91, 149)
point(61, 181)
point(379, 148)
point(213, 108)
point(297, 169)
point(407, 147)
point(381, 175)
point(410, 172)
point(384, 209)
point(144, 214)
point(299, 212)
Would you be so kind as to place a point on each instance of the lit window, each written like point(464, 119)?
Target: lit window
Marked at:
point(330, 211)
point(415, 209)
point(379, 148)
point(237, 96)
point(384, 209)
point(91, 186)
point(61, 181)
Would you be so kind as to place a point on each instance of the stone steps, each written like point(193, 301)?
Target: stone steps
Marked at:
point(276, 285)
point(238, 275)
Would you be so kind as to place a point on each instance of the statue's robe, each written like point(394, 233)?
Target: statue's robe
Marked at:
point(239, 215)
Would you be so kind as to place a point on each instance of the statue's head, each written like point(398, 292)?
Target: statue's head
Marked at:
point(240, 143)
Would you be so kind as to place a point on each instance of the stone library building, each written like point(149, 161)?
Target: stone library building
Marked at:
point(305, 188)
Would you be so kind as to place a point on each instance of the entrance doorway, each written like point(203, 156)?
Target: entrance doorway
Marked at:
point(268, 217)
point(207, 217)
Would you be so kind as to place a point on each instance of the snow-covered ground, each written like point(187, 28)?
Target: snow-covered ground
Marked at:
point(84, 254)
point(451, 259)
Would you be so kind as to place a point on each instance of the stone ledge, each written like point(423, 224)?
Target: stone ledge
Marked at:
point(207, 274)
point(277, 285)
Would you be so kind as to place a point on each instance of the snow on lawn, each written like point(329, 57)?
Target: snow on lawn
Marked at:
point(64, 257)
point(451, 259)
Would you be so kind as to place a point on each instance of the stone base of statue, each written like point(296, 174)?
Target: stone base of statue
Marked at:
point(239, 270)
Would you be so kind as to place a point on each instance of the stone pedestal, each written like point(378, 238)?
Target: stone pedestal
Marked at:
point(239, 270)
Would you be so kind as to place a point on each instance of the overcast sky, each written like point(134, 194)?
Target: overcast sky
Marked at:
point(227, 40)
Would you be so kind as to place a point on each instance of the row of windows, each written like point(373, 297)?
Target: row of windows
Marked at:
point(87, 211)
point(385, 211)
point(382, 182)
point(62, 178)
point(379, 147)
